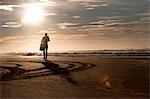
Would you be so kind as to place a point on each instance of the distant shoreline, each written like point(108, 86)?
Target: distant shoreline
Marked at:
point(132, 53)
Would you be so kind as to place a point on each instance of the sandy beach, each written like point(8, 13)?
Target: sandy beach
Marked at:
point(31, 77)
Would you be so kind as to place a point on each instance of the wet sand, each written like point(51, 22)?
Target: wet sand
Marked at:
point(73, 77)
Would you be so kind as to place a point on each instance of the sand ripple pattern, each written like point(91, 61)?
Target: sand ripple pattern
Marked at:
point(17, 70)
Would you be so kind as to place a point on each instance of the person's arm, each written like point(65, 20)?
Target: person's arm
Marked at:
point(48, 38)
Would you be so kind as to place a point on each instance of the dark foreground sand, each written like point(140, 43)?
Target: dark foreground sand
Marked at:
point(30, 77)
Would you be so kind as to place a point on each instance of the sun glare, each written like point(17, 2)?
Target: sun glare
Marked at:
point(33, 15)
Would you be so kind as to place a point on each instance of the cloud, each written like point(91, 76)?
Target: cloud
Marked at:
point(15, 38)
point(66, 37)
point(94, 5)
point(145, 19)
point(8, 7)
point(89, 8)
point(66, 25)
point(17, 2)
point(104, 5)
point(143, 14)
point(85, 4)
point(76, 17)
point(111, 23)
point(115, 27)
point(103, 22)
point(112, 17)
point(107, 21)
point(48, 30)
point(84, 0)
point(49, 14)
point(11, 25)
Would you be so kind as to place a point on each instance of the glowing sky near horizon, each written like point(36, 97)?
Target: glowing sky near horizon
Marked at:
point(74, 24)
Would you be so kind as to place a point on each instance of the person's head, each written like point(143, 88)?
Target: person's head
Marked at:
point(45, 34)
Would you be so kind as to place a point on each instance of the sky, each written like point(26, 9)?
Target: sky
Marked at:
point(74, 24)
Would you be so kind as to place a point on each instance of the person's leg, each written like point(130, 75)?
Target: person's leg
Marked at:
point(46, 53)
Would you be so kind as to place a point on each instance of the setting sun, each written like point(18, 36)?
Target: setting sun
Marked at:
point(33, 15)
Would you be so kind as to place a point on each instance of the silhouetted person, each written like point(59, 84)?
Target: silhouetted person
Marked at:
point(44, 45)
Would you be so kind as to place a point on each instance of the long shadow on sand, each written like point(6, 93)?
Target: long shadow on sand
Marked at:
point(50, 68)
point(57, 70)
